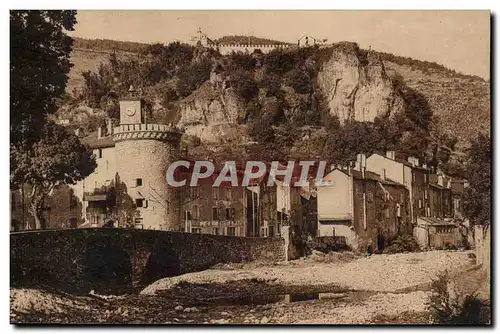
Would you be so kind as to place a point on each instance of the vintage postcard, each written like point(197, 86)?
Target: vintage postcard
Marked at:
point(250, 167)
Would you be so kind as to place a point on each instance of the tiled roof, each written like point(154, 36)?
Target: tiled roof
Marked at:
point(92, 141)
point(436, 221)
point(371, 176)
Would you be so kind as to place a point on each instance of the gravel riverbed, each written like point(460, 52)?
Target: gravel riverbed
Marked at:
point(381, 272)
point(361, 290)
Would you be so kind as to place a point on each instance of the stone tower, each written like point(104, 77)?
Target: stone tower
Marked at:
point(143, 153)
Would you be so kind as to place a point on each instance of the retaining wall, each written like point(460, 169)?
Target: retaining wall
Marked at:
point(116, 260)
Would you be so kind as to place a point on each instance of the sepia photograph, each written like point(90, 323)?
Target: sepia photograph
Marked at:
point(250, 167)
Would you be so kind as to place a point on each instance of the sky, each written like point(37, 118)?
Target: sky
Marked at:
point(457, 39)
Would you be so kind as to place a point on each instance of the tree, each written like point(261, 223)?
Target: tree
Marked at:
point(39, 66)
point(193, 76)
point(477, 197)
point(121, 204)
point(56, 158)
point(299, 80)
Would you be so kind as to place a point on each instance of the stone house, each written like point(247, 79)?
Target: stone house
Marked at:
point(410, 173)
point(366, 208)
point(434, 233)
point(440, 198)
point(208, 209)
point(457, 189)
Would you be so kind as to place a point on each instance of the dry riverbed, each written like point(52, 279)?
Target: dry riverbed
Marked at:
point(330, 289)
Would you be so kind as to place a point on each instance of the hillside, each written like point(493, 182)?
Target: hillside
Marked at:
point(460, 102)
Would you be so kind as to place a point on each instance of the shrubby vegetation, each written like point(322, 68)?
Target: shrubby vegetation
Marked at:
point(477, 197)
point(448, 306)
point(424, 66)
point(107, 45)
point(239, 39)
point(403, 243)
point(279, 94)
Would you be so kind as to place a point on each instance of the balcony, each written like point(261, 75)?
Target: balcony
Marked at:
point(98, 194)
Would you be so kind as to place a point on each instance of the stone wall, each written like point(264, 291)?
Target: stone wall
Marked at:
point(482, 240)
point(124, 260)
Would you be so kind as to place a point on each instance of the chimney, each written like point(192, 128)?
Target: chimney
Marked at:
point(391, 155)
point(440, 180)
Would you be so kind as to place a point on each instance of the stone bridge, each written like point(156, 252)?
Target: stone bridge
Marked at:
point(117, 260)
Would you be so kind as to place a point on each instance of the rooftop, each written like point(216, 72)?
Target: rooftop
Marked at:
point(92, 141)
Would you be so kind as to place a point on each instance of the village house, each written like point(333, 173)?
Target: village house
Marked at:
point(440, 199)
point(457, 189)
point(286, 205)
point(433, 233)
point(214, 210)
point(366, 208)
point(408, 172)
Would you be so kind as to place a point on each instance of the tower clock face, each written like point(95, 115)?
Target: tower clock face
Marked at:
point(130, 111)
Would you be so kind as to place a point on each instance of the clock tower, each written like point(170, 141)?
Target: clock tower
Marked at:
point(130, 109)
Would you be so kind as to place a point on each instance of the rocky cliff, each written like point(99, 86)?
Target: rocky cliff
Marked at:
point(357, 87)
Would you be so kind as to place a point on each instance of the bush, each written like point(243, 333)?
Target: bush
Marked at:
point(403, 243)
point(193, 76)
point(449, 307)
point(300, 81)
point(244, 85)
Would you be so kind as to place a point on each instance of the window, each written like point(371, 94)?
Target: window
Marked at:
point(138, 223)
point(187, 215)
point(196, 212)
point(193, 192)
point(380, 216)
point(196, 230)
point(233, 213)
point(420, 204)
point(215, 215)
point(231, 231)
point(425, 178)
point(216, 230)
point(140, 203)
point(401, 198)
point(425, 194)
point(398, 210)
point(215, 193)
point(138, 182)
point(271, 231)
point(229, 194)
point(220, 213)
point(72, 201)
point(387, 213)
point(228, 213)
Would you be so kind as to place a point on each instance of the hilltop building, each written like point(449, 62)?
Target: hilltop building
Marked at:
point(227, 48)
